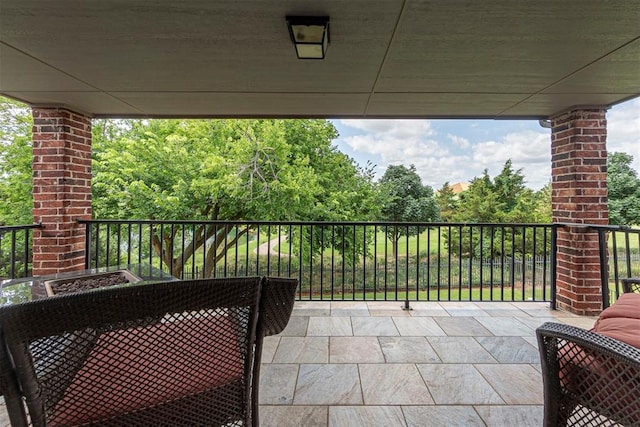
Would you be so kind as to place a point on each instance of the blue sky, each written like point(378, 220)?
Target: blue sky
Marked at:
point(459, 150)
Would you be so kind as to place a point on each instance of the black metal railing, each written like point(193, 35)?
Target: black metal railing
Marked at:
point(16, 250)
point(619, 249)
point(345, 260)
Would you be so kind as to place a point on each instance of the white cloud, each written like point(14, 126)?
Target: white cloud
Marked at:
point(462, 154)
point(459, 141)
point(397, 129)
point(623, 130)
point(528, 150)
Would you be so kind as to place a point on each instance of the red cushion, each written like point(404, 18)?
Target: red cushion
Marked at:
point(175, 359)
point(621, 320)
point(625, 330)
point(627, 305)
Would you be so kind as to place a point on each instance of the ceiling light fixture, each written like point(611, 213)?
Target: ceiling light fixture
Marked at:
point(310, 35)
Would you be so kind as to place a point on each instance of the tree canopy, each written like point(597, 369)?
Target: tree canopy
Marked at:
point(406, 199)
point(225, 170)
point(624, 190)
point(16, 182)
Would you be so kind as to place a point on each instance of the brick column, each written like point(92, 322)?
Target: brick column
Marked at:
point(61, 188)
point(579, 195)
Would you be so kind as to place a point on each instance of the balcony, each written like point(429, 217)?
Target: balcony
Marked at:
point(463, 353)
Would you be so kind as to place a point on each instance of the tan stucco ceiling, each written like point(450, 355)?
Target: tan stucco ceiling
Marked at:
point(387, 58)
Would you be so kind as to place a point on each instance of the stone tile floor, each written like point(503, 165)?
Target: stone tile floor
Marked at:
point(375, 364)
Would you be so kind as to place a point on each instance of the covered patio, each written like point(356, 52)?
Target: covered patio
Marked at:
point(552, 61)
point(346, 363)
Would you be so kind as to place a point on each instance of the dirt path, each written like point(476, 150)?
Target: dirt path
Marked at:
point(271, 247)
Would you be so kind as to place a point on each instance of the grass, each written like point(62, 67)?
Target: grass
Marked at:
point(476, 294)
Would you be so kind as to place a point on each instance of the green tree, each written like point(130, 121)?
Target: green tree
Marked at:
point(16, 181)
point(504, 199)
point(405, 200)
point(624, 190)
point(447, 202)
point(225, 170)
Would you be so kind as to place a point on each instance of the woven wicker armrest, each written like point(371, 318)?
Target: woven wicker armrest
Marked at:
point(276, 304)
point(589, 378)
point(631, 284)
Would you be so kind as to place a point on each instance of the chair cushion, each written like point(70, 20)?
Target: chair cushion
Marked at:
point(130, 370)
point(621, 320)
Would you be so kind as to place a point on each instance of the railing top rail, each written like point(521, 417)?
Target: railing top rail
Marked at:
point(598, 226)
point(362, 223)
point(5, 228)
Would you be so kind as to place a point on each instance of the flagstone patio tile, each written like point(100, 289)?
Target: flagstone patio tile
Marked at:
point(294, 416)
point(510, 349)
point(269, 346)
point(277, 383)
point(302, 350)
point(458, 384)
point(506, 326)
point(460, 350)
point(516, 384)
point(374, 326)
point(438, 416)
point(521, 416)
point(329, 326)
point(349, 308)
point(328, 384)
point(393, 384)
point(462, 326)
point(311, 308)
point(408, 350)
point(297, 327)
point(355, 350)
point(366, 416)
point(417, 326)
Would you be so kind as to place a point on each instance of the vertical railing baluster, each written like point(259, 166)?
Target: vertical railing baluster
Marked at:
point(87, 245)
point(118, 244)
point(353, 264)
point(12, 254)
point(418, 264)
point(460, 276)
point(108, 240)
point(524, 265)
point(27, 240)
point(386, 260)
point(534, 263)
point(502, 258)
point(140, 243)
point(375, 263)
point(449, 264)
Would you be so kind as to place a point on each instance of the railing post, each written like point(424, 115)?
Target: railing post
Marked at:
point(554, 265)
point(87, 244)
point(604, 270)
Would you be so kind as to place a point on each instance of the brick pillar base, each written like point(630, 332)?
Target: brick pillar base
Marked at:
point(61, 188)
point(579, 196)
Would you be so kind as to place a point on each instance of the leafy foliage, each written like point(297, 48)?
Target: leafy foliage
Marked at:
point(624, 190)
point(16, 183)
point(405, 200)
point(505, 199)
point(226, 170)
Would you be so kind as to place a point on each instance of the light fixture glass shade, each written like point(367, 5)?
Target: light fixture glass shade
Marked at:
point(310, 35)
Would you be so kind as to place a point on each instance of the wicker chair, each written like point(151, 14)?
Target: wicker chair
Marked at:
point(631, 284)
point(589, 379)
point(168, 354)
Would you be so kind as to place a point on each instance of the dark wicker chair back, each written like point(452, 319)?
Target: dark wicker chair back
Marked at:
point(631, 284)
point(589, 379)
point(169, 354)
